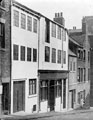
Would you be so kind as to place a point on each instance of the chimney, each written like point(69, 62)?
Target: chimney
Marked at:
point(59, 18)
point(74, 27)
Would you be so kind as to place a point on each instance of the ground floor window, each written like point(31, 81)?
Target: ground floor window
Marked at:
point(81, 95)
point(58, 88)
point(43, 90)
point(32, 86)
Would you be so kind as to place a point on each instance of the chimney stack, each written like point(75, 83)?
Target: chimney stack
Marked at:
point(59, 18)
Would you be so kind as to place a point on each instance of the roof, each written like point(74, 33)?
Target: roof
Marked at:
point(75, 42)
point(72, 54)
point(79, 38)
point(35, 13)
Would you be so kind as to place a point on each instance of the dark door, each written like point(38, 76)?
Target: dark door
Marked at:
point(52, 95)
point(5, 98)
point(19, 96)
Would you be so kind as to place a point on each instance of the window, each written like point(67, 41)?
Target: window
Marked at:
point(22, 53)
point(58, 88)
point(28, 54)
point(88, 74)
point(64, 35)
point(47, 54)
point(70, 65)
point(53, 55)
point(29, 23)
point(35, 25)
point(59, 33)
point(84, 54)
point(43, 90)
point(23, 21)
point(15, 52)
point(34, 55)
point(53, 30)
point(16, 18)
point(47, 31)
point(32, 86)
point(64, 55)
point(2, 35)
point(84, 74)
point(59, 56)
point(88, 56)
point(78, 75)
point(74, 66)
point(79, 97)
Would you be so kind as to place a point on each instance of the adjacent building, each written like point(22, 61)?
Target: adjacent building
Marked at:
point(80, 46)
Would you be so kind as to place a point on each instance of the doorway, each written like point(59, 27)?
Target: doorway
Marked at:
point(19, 96)
point(52, 95)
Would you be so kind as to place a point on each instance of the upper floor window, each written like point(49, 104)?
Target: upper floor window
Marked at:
point(35, 25)
point(53, 30)
point(88, 56)
point(84, 55)
point(2, 35)
point(74, 66)
point(32, 86)
point(22, 53)
point(16, 18)
point(47, 31)
point(47, 54)
point(59, 33)
point(64, 35)
point(59, 56)
point(70, 66)
point(53, 55)
point(23, 21)
point(64, 57)
point(29, 23)
point(15, 52)
point(34, 55)
point(28, 54)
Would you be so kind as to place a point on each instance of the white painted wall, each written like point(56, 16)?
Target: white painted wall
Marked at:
point(54, 43)
point(24, 69)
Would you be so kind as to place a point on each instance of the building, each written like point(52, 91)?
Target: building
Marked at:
point(87, 23)
point(35, 61)
point(53, 64)
point(4, 60)
point(80, 46)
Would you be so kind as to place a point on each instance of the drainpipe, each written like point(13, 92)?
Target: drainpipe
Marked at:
point(38, 76)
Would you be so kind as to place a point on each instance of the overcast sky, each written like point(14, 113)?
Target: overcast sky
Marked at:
point(73, 10)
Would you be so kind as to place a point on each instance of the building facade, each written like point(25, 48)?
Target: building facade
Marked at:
point(82, 83)
point(53, 65)
point(35, 61)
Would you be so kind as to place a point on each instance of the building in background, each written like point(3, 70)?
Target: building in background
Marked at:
point(82, 81)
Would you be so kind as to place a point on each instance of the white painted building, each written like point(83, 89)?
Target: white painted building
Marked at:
point(53, 65)
point(24, 48)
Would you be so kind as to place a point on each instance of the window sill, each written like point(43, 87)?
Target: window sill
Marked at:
point(43, 100)
point(31, 96)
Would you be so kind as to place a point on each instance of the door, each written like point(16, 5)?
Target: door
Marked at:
point(52, 95)
point(5, 98)
point(19, 96)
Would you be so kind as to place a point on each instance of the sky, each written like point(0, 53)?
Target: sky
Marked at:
point(73, 10)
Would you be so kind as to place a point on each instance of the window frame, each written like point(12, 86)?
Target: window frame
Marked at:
point(22, 53)
point(34, 55)
point(47, 54)
point(53, 55)
point(16, 18)
point(29, 23)
point(23, 21)
point(53, 30)
point(15, 52)
point(29, 51)
point(32, 86)
point(34, 25)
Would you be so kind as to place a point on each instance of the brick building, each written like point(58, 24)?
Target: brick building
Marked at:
point(82, 51)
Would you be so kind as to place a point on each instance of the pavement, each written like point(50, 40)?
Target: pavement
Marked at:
point(23, 115)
